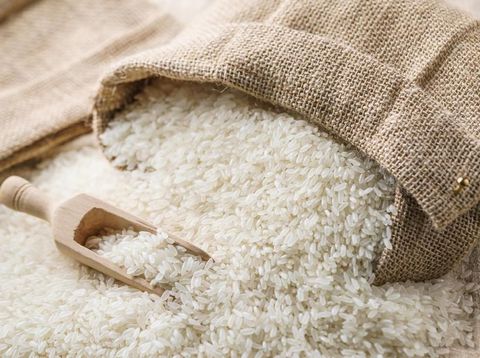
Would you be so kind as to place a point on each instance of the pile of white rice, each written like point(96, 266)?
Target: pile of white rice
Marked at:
point(291, 217)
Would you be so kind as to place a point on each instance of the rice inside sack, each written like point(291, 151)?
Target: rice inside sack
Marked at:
point(400, 94)
point(326, 208)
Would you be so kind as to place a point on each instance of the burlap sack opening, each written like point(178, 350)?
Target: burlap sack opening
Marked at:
point(393, 78)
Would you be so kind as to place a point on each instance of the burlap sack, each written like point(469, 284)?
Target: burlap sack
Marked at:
point(52, 55)
point(398, 79)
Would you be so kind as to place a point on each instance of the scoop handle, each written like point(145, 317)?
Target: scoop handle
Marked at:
point(18, 194)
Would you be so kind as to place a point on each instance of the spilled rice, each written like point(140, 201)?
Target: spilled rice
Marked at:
point(291, 217)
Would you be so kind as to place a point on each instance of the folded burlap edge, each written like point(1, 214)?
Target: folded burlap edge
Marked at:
point(44, 145)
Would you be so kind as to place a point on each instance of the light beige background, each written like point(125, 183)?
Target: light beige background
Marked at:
point(472, 6)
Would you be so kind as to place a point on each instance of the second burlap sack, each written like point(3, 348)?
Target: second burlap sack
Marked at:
point(397, 79)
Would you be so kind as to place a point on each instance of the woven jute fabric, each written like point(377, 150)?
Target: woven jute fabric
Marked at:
point(397, 79)
point(53, 54)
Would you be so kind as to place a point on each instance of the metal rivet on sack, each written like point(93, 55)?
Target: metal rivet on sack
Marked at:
point(460, 185)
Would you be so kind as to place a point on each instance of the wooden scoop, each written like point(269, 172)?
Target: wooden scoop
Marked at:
point(78, 218)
